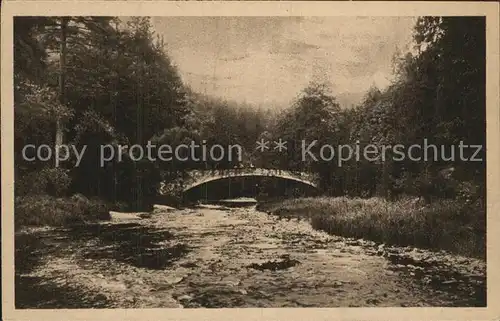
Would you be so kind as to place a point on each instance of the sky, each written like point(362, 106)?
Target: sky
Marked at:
point(267, 61)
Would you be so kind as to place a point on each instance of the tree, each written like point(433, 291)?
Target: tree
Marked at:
point(314, 116)
point(117, 82)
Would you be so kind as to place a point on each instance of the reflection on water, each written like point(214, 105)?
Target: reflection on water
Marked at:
point(130, 243)
point(233, 202)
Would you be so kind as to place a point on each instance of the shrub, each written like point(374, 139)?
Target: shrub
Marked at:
point(48, 210)
point(51, 181)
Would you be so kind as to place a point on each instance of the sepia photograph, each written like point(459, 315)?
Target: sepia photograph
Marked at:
point(217, 161)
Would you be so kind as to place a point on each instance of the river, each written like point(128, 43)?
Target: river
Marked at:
point(216, 256)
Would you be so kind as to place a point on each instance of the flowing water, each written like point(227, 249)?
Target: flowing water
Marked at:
point(218, 256)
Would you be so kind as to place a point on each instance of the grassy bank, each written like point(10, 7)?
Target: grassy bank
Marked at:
point(40, 210)
point(443, 225)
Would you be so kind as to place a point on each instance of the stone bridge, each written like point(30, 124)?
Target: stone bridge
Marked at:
point(199, 177)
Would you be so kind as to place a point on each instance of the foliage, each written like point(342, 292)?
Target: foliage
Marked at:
point(438, 94)
point(50, 181)
point(119, 87)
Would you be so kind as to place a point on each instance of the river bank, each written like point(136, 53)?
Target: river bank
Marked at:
point(443, 225)
point(230, 257)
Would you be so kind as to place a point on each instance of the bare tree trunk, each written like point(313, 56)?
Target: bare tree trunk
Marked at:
point(385, 179)
point(62, 73)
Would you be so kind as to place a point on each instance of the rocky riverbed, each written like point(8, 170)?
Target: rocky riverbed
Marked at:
point(216, 256)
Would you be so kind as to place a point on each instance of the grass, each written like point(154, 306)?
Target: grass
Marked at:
point(443, 225)
point(41, 210)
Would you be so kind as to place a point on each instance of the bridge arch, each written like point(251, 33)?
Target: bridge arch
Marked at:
point(198, 178)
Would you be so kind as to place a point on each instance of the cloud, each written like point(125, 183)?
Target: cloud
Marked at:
point(293, 47)
point(265, 60)
point(234, 58)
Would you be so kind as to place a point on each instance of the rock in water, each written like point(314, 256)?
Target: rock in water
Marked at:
point(163, 208)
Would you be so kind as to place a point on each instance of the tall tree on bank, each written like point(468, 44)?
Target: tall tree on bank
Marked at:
point(92, 66)
point(315, 119)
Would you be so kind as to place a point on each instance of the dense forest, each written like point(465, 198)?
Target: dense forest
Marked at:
point(92, 81)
